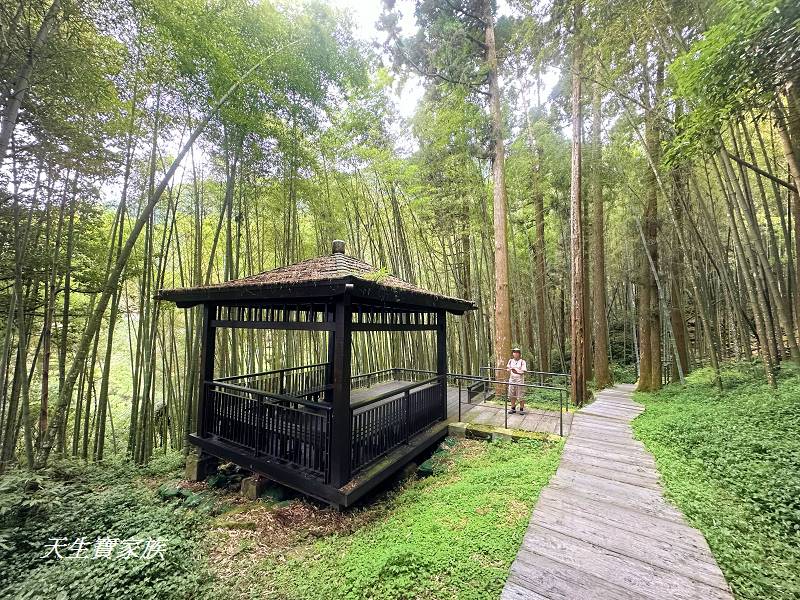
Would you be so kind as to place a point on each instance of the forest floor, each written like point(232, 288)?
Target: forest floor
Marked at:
point(728, 460)
point(451, 534)
point(731, 462)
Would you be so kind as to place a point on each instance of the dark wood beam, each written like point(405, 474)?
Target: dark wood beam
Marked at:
point(441, 356)
point(207, 355)
point(288, 325)
point(283, 474)
point(330, 317)
point(361, 291)
point(391, 327)
point(341, 426)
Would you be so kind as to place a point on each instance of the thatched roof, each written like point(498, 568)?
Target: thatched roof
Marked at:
point(315, 278)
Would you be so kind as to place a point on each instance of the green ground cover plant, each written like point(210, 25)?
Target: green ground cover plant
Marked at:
point(115, 501)
point(731, 462)
point(451, 535)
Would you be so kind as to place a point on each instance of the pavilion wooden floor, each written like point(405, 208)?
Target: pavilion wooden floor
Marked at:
point(487, 413)
point(602, 528)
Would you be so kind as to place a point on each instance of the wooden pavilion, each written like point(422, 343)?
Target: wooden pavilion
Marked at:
point(301, 426)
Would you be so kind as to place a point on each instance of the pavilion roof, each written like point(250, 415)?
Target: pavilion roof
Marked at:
point(317, 278)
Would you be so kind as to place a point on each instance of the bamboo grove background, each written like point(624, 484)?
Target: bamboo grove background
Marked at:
point(151, 144)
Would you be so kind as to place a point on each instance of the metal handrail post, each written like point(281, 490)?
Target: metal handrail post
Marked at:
point(561, 413)
point(459, 401)
point(505, 412)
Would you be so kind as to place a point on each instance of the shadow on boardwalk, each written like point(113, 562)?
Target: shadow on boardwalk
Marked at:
point(602, 528)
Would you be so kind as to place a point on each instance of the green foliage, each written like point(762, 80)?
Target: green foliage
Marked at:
point(72, 501)
point(452, 535)
point(734, 68)
point(623, 373)
point(730, 462)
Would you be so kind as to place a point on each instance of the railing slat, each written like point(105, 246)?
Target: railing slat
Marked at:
point(287, 431)
point(382, 426)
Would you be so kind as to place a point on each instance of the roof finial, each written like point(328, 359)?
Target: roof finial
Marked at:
point(338, 246)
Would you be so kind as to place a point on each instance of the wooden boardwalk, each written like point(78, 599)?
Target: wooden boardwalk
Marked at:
point(602, 529)
point(534, 419)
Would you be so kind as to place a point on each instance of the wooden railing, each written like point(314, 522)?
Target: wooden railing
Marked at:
point(306, 381)
point(365, 380)
point(286, 429)
point(390, 420)
point(283, 415)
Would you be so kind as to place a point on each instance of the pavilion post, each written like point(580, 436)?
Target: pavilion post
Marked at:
point(441, 357)
point(341, 427)
point(207, 354)
point(330, 316)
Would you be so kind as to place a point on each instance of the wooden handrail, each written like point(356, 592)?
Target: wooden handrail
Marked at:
point(273, 372)
point(269, 395)
point(396, 392)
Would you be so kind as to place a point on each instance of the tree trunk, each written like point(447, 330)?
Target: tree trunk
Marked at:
point(751, 227)
point(543, 331)
point(790, 151)
point(602, 374)
point(677, 317)
point(649, 309)
point(22, 79)
point(577, 271)
point(502, 303)
point(96, 316)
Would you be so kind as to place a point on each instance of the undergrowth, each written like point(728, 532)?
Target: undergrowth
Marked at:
point(731, 462)
point(452, 535)
point(623, 373)
point(113, 500)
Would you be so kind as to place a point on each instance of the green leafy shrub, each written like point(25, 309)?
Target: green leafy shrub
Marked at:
point(623, 373)
point(72, 501)
point(731, 462)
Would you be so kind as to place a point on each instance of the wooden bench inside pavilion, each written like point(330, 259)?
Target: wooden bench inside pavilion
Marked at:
point(319, 428)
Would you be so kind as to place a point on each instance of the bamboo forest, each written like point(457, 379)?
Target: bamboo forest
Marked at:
point(392, 299)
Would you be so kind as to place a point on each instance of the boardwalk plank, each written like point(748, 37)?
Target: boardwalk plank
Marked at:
point(602, 528)
point(612, 472)
point(630, 573)
point(625, 518)
point(660, 554)
point(552, 579)
point(624, 463)
point(512, 591)
point(585, 452)
point(650, 504)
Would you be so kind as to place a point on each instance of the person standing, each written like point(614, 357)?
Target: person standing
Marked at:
point(516, 375)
